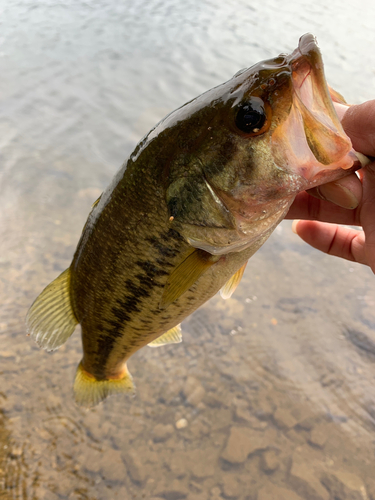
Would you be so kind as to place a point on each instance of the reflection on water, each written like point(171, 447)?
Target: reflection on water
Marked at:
point(271, 395)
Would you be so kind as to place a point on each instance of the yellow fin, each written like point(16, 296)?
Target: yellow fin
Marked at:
point(89, 391)
point(185, 275)
point(172, 336)
point(50, 320)
point(95, 202)
point(230, 286)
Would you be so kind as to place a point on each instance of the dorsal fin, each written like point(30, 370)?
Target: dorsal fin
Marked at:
point(185, 275)
point(96, 202)
point(172, 336)
point(233, 282)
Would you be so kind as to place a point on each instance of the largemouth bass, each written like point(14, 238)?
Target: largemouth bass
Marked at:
point(195, 200)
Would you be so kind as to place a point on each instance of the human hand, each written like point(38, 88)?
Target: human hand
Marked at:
point(350, 200)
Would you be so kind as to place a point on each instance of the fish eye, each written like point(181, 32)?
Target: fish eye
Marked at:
point(252, 117)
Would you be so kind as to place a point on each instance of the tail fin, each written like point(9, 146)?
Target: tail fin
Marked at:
point(89, 391)
point(50, 320)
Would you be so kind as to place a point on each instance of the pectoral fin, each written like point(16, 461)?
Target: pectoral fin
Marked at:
point(185, 275)
point(230, 286)
point(172, 336)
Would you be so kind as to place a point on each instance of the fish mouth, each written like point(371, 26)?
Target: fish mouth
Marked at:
point(311, 140)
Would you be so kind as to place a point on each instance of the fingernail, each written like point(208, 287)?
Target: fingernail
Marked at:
point(363, 160)
point(339, 195)
point(294, 225)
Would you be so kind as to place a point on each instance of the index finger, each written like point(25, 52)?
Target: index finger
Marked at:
point(309, 208)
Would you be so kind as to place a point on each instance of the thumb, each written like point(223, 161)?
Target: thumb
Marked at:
point(359, 124)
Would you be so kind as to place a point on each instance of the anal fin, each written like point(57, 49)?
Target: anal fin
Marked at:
point(50, 320)
point(185, 275)
point(89, 391)
point(230, 286)
point(172, 336)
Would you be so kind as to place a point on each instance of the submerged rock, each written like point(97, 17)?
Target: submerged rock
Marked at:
point(241, 443)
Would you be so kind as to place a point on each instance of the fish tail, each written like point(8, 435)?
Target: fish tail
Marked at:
point(51, 320)
point(89, 391)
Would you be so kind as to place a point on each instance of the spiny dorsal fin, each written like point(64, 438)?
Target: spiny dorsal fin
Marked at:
point(172, 336)
point(230, 286)
point(50, 320)
point(95, 202)
point(89, 391)
point(185, 275)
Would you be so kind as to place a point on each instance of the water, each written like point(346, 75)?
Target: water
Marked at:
point(271, 395)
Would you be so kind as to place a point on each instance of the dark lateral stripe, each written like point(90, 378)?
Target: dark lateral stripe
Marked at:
point(165, 251)
point(151, 269)
point(136, 290)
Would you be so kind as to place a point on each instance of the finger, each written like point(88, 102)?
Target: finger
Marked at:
point(345, 192)
point(333, 239)
point(368, 212)
point(309, 208)
point(359, 123)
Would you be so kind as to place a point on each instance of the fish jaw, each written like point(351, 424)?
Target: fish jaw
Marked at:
point(311, 140)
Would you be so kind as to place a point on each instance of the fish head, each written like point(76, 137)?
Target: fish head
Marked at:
point(250, 145)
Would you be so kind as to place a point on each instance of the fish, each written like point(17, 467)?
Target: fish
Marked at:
point(199, 195)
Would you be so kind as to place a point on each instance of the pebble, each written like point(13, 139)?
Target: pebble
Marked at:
point(44, 494)
point(241, 443)
point(7, 354)
point(193, 391)
point(162, 432)
point(177, 464)
point(269, 461)
point(91, 460)
point(264, 409)
point(202, 469)
point(304, 478)
point(174, 490)
point(181, 423)
point(112, 467)
point(246, 415)
point(134, 466)
point(273, 492)
point(216, 493)
point(343, 484)
point(231, 486)
point(319, 435)
point(196, 496)
point(284, 418)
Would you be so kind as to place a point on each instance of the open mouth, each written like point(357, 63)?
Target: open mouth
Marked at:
point(311, 139)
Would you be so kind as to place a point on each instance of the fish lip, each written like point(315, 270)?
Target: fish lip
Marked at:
point(306, 63)
point(311, 139)
point(307, 45)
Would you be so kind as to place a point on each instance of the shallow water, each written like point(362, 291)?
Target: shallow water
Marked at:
point(271, 395)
